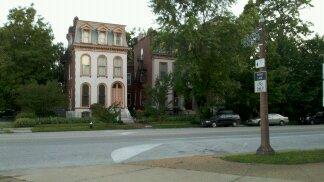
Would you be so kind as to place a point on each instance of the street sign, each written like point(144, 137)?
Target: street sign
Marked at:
point(251, 39)
point(260, 82)
point(260, 63)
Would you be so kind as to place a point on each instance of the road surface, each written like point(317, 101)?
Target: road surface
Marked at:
point(58, 149)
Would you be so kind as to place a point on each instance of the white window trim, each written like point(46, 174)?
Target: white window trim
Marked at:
point(115, 39)
point(89, 39)
point(106, 66)
point(105, 41)
point(121, 68)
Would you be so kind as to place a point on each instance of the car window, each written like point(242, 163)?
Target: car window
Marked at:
point(222, 116)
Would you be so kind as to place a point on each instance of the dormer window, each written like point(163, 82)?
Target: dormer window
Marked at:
point(118, 39)
point(118, 32)
point(102, 38)
point(86, 36)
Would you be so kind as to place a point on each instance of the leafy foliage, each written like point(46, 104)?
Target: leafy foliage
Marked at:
point(27, 53)
point(157, 102)
point(215, 69)
point(41, 99)
point(107, 115)
point(26, 115)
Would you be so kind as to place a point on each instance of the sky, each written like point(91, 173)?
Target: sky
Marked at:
point(132, 13)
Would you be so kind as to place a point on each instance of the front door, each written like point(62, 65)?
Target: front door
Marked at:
point(117, 94)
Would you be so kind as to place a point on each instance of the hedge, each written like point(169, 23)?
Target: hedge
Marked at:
point(26, 115)
point(25, 122)
point(30, 122)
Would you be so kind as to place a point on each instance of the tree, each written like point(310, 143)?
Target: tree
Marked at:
point(158, 95)
point(205, 40)
point(31, 55)
point(291, 61)
point(41, 99)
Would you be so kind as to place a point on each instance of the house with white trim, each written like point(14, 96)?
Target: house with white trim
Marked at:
point(96, 67)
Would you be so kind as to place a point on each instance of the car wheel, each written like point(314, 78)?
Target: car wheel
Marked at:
point(214, 125)
point(282, 123)
point(234, 123)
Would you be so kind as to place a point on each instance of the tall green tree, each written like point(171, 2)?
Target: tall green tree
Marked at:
point(28, 53)
point(290, 67)
point(202, 35)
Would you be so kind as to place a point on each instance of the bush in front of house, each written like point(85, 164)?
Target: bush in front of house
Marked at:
point(106, 115)
point(25, 122)
point(31, 122)
point(43, 100)
point(61, 120)
point(26, 115)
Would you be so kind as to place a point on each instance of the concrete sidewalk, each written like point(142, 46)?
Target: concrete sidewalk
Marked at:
point(123, 173)
point(183, 169)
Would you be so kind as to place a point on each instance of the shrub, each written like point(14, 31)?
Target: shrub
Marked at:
point(107, 115)
point(25, 115)
point(43, 100)
point(182, 118)
point(146, 120)
point(61, 120)
point(25, 122)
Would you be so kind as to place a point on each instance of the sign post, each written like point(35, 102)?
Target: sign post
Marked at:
point(265, 147)
point(260, 82)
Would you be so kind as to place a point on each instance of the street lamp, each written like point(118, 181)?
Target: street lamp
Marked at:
point(265, 147)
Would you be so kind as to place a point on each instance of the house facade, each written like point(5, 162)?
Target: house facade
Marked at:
point(96, 66)
point(149, 65)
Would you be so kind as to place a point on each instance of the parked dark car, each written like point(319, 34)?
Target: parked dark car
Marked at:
point(8, 113)
point(318, 118)
point(223, 118)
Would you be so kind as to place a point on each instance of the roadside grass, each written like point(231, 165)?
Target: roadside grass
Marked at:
point(5, 124)
point(172, 124)
point(289, 157)
point(109, 126)
point(82, 127)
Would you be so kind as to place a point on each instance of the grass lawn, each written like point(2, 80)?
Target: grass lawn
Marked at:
point(82, 127)
point(109, 126)
point(5, 124)
point(290, 157)
point(171, 124)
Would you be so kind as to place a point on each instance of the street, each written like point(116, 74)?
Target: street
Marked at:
point(58, 149)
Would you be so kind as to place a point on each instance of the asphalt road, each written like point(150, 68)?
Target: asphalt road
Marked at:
point(58, 149)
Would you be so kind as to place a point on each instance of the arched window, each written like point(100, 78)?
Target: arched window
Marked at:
point(85, 93)
point(118, 67)
point(85, 65)
point(102, 66)
point(118, 94)
point(102, 94)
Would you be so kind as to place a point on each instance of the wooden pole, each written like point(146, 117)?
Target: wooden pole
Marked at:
point(265, 147)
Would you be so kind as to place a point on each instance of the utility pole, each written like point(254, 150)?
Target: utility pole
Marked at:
point(265, 147)
point(322, 80)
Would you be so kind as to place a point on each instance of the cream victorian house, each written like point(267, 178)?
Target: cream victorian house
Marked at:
point(96, 67)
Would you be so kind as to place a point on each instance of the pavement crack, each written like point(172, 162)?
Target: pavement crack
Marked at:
point(244, 174)
point(305, 173)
